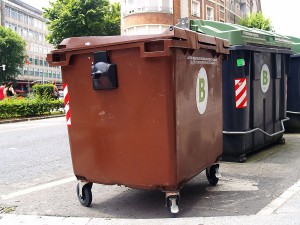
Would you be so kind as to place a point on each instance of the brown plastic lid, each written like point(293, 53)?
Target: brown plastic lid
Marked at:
point(179, 37)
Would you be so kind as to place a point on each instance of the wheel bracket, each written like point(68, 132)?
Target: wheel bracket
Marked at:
point(81, 184)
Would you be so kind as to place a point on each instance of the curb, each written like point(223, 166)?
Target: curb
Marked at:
point(282, 219)
point(15, 120)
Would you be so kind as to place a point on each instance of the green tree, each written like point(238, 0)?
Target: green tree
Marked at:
point(257, 20)
point(75, 18)
point(12, 53)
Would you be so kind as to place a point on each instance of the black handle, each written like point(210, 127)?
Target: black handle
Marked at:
point(104, 74)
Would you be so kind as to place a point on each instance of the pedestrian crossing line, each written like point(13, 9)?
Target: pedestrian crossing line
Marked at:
point(37, 188)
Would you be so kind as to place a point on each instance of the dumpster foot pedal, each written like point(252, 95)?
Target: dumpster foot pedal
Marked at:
point(174, 207)
point(172, 199)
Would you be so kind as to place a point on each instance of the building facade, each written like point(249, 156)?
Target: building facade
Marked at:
point(28, 22)
point(154, 16)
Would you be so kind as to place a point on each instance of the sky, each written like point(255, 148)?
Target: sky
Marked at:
point(283, 14)
point(39, 4)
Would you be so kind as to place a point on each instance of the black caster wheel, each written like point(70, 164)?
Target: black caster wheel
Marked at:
point(281, 141)
point(86, 198)
point(172, 204)
point(211, 174)
point(242, 159)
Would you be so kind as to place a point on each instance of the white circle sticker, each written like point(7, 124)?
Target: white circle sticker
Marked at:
point(265, 78)
point(202, 91)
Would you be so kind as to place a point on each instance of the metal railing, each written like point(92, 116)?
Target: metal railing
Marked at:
point(258, 129)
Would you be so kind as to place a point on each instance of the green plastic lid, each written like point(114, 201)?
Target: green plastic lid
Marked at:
point(295, 44)
point(240, 35)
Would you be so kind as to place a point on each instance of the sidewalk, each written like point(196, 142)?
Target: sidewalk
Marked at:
point(285, 210)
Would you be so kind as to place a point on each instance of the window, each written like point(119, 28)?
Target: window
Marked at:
point(141, 6)
point(30, 20)
point(195, 9)
point(167, 6)
point(36, 48)
point(222, 9)
point(153, 6)
point(138, 6)
point(26, 72)
point(7, 11)
point(209, 13)
point(26, 19)
point(14, 14)
point(141, 30)
point(30, 32)
point(36, 61)
point(36, 35)
point(25, 32)
point(130, 31)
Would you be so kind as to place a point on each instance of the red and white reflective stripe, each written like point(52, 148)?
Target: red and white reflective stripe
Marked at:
point(67, 104)
point(240, 92)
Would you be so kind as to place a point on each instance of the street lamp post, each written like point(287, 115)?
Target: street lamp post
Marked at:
point(3, 67)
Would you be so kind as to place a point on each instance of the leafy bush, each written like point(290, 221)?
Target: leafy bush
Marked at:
point(25, 107)
point(43, 91)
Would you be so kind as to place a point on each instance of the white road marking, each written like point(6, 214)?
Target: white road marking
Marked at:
point(278, 202)
point(31, 127)
point(234, 185)
point(37, 188)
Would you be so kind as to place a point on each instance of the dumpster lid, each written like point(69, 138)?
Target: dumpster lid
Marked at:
point(295, 44)
point(171, 33)
point(240, 35)
point(179, 38)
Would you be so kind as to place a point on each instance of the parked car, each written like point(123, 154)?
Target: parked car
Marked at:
point(20, 93)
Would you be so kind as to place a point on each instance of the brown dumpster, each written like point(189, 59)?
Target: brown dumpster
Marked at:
point(143, 111)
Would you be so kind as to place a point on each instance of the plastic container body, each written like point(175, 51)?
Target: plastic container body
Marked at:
point(254, 99)
point(293, 96)
point(156, 121)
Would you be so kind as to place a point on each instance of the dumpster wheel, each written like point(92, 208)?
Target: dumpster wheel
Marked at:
point(281, 141)
point(212, 174)
point(85, 196)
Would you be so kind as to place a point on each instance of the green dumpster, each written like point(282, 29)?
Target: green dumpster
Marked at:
point(293, 91)
point(254, 86)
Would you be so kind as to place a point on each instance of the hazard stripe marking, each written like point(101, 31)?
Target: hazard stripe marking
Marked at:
point(67, 104)
point(240, 92)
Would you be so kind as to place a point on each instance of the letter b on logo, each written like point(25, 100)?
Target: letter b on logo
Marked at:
point(201, 89)
point(265, 78)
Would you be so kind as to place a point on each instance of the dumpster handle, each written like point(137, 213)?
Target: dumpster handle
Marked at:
point(258, 129)
point(293, 112)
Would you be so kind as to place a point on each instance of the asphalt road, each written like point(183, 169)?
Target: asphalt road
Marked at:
point(36, 178)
